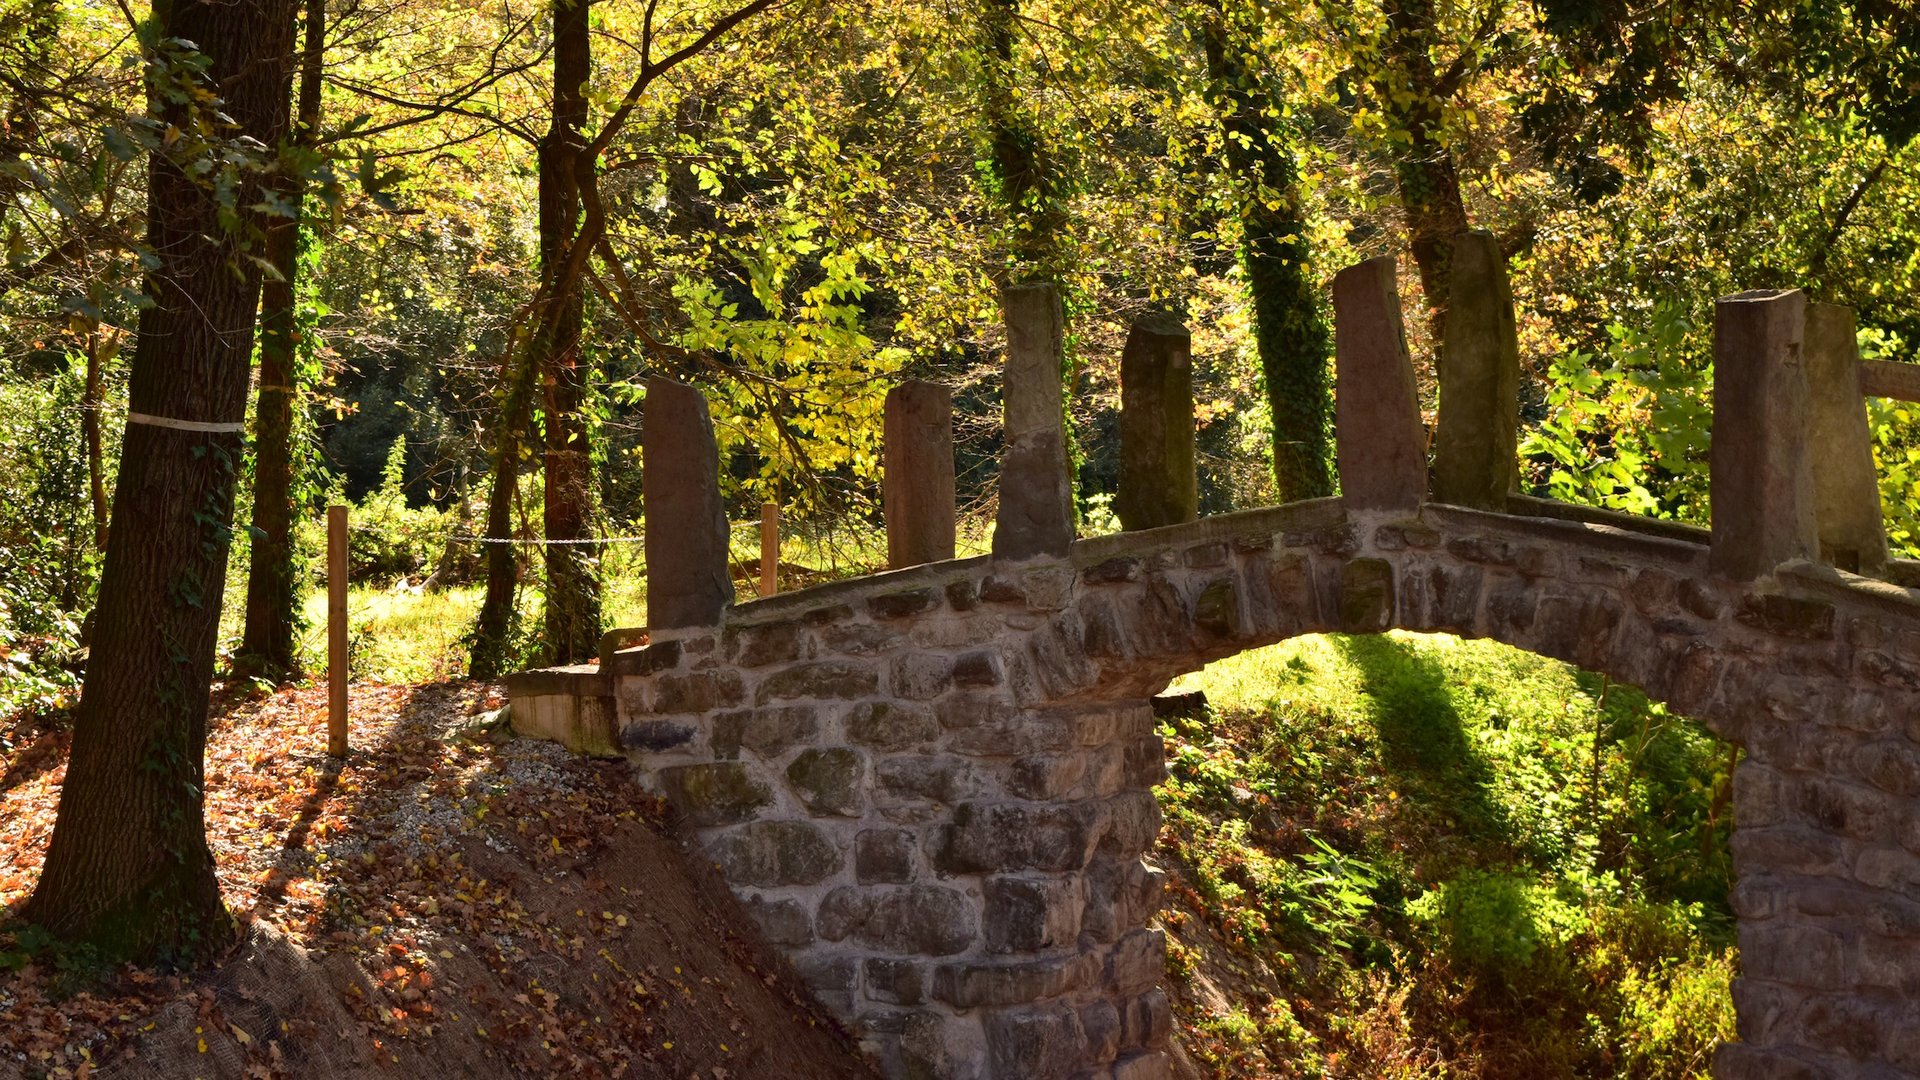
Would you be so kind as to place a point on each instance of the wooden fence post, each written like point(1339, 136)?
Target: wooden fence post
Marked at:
point(337, 631)
point(769, 548)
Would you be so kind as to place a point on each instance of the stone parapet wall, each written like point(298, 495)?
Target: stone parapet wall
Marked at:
point(932, 788)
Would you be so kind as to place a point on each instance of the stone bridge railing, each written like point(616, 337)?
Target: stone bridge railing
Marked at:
point(932, 787)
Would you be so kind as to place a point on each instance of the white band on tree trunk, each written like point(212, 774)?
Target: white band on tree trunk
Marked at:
point(187, 425)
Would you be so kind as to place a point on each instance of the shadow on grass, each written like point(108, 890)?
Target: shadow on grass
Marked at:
point(1425, 745)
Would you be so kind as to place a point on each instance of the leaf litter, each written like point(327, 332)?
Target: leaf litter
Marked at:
point(449, 901)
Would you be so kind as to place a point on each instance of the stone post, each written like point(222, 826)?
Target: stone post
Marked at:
point(1853, 535)
point(1475, 448)
point(1761, 489)
point(687, 580)
point(917, 489)
point(1157, 482)
point(1380, 442)
point(1036, 500)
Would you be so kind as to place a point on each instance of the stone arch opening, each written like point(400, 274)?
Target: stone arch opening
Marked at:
point(1379, 811)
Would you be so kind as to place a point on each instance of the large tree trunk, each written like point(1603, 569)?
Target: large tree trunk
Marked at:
point(573, 583)
point(273, 575)
point(128, 869)
point(1288, 331)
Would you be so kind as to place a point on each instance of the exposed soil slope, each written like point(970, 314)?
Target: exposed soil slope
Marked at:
point(446, 905)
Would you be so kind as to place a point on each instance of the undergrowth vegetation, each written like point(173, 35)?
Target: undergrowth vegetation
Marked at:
point(1411, 855)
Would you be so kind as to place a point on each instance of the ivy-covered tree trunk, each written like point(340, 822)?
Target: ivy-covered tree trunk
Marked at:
point(273, 575)
point(573, 582)
point(1289, 333)
point(128, 869)
point(1027, 179)
point(1428, 180)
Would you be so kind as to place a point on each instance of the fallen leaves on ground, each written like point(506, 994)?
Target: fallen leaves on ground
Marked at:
point(455, 895)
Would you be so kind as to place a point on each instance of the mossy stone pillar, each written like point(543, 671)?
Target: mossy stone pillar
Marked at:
point(1036, 499)
point(1475, 453)
point(1381, 443)
point(1761, 487)
point(917, 490)
point(687, 580)
point(1157, 482)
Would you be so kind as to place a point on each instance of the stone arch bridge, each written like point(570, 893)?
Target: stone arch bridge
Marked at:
point(932, 786)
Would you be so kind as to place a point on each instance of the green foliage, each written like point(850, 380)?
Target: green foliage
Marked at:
point(1628, 428)
point(391, 537)
point(1393, 822)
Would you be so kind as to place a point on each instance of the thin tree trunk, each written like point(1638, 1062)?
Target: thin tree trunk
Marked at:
point(273, 575)
point(490, 651)
point(573, 584)
point(92, 400)
point(1289, 332)
point(128, 869)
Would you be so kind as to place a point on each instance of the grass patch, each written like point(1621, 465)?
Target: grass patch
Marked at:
point(1464, 857)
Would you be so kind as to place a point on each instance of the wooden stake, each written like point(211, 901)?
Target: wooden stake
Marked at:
point(769, 548)
point(337, 631)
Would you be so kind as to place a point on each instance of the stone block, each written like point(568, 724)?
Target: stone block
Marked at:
point(1132, 823)
point(656, 736)
point(1788, 616)
point(1382, 445)
point(772, 643)
point(976, 670)
point(768, 732)
point(927, 920)
point(1761, 486)
point(1786, 849)
point(891, 725)
point(697, 692)
point(900, 605)
point(1796, 955)
point(986, 837)
point(1036, 499)
point(1137, 962)
point(895, 981)
point(786, 923)
point(687, 579)
point(1100, 1021)
point(920, 676)
point(829, 781)
point(1031, 914)
point(1216, 611)
point(1046, 776)
point(1147, 1021)
point(831, 978)
point(940, 1047)
point(1475, 455)
point(972, 985)
point(1366, 596)
point(768, 854)
point(931, 778)
point(1038, 1041)
point(884, 856)
point(917, 487)
point(1158, 485)
point(818, 679)
point(714, 793)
